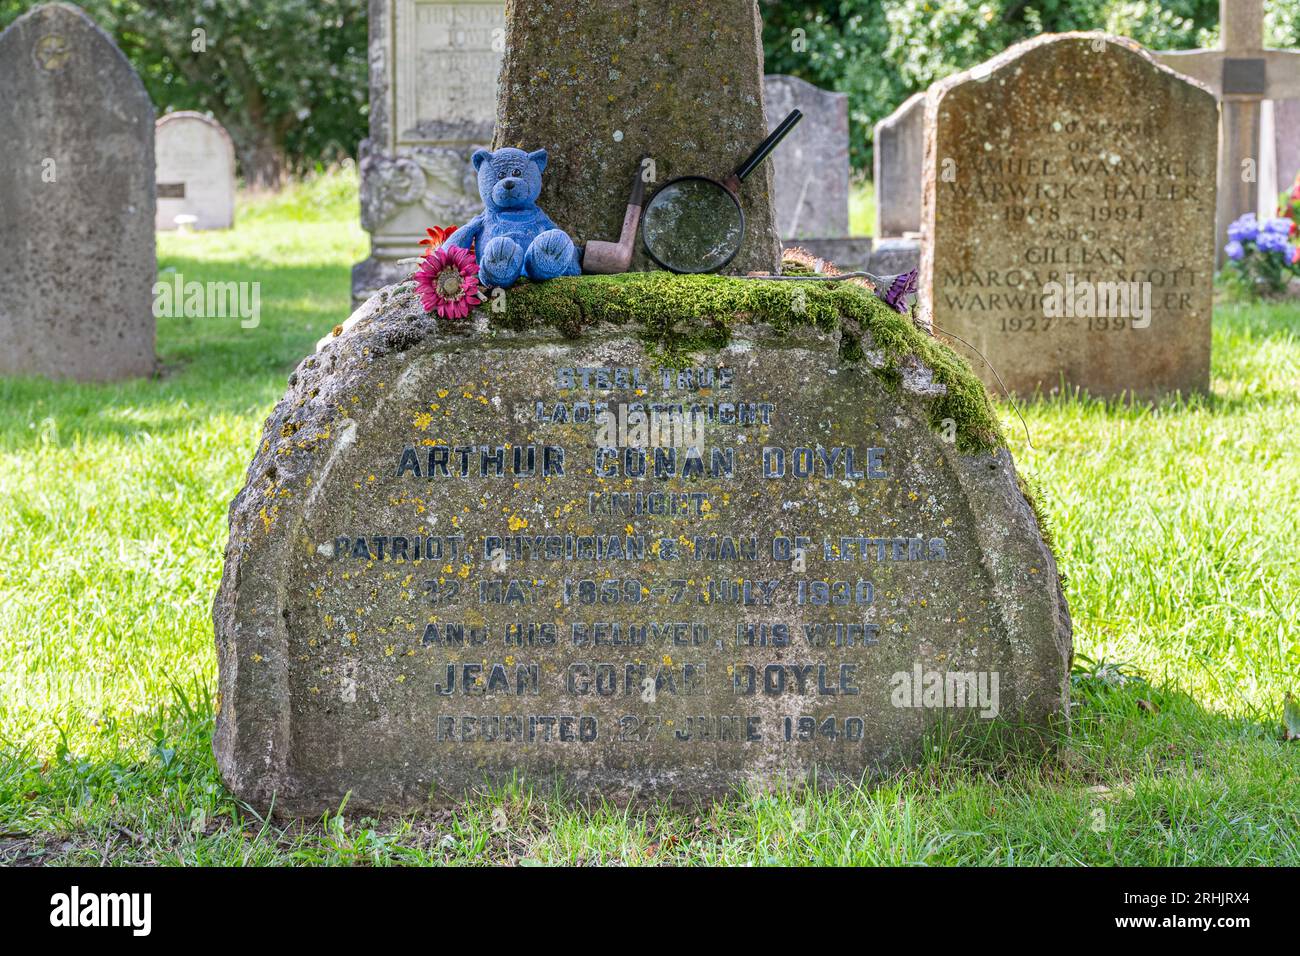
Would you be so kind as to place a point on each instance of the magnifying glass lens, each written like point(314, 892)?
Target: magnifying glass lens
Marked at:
point(693, 225)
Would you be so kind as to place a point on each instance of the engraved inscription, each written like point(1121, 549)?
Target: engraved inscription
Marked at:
point(453, 54)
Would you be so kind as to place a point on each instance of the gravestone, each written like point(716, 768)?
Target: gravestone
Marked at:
point(461, 556)
point(897, 164)
point(195, 162)
point(76, 202)
point(433, 71)
point(604, 83)
point(1069, 218)
point(1286, 132)
point(1279, 160)
point(810, 171)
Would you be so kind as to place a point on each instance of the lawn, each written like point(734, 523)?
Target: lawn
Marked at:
point(1176, 526)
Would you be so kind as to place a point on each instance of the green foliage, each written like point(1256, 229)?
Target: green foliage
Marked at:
point(882, 51)
point(287, 78)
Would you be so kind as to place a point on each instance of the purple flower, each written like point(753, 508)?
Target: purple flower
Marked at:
point(1279, 225)
point(898, 291)
point(1274, 242)
point(1234, 250)
point(1244, 229)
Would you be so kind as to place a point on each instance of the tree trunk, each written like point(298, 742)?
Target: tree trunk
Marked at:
point(262, 161)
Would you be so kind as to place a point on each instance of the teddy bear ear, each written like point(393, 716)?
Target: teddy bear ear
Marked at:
point(480, 156)
point(539, 157)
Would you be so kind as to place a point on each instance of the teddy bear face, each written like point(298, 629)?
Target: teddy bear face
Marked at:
point(509, 178)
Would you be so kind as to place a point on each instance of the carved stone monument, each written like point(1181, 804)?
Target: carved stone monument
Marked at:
point(433, 93)
point(472, 550)
point(1069, 219)
point(898, 172)
point(604, 83)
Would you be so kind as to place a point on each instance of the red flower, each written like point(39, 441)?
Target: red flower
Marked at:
point(447, 281)
point(437, 236)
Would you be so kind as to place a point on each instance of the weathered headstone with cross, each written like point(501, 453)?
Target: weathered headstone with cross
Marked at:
point(1242, 73)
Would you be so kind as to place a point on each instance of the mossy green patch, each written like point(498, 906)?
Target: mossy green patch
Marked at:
point(681, 315)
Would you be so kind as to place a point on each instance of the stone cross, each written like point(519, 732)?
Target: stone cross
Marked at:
point(1242, 74)
point(602, 84)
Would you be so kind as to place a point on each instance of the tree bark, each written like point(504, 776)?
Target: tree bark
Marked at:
point(262, 161)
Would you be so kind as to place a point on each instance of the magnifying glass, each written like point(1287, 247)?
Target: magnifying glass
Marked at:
point(695, 224)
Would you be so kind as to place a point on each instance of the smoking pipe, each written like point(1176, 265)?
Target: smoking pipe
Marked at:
point(610, 258)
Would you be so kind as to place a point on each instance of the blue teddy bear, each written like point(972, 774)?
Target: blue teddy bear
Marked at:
point(512, 236)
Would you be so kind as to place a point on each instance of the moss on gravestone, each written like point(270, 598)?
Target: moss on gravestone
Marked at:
point(680, 315)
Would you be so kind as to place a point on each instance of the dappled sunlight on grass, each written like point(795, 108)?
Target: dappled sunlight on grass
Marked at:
point(1176, 528)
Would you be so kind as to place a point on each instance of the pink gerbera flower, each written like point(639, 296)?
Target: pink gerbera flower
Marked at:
point(447, 282)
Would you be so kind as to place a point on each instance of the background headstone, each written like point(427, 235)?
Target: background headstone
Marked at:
point(897, 162)
point(810, 170)
point(1286, 126)
point(195, 171)
point(76, 202)
point(706, 646)
point(1072, 158)
point(602, 83)
point(433, 93)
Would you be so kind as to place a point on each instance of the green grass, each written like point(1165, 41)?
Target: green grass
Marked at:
point(862, 208)
point(1176, 527)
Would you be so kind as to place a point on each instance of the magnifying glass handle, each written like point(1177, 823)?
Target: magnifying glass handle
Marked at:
point(765, 147)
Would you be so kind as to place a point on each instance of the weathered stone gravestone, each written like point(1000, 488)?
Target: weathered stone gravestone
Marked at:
point(898, 161)
point(810, 172)
point(603, 83)
point(1069, 218)
point(466, 552)
point(76, 202)
point(433, 93)
point(195, 162)
point(1286, 125)
point(1279, 160)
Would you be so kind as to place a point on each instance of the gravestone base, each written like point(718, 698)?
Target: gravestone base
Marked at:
point(891, 256)
point(373, 274)
point(880, 257)
point(446, 571)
